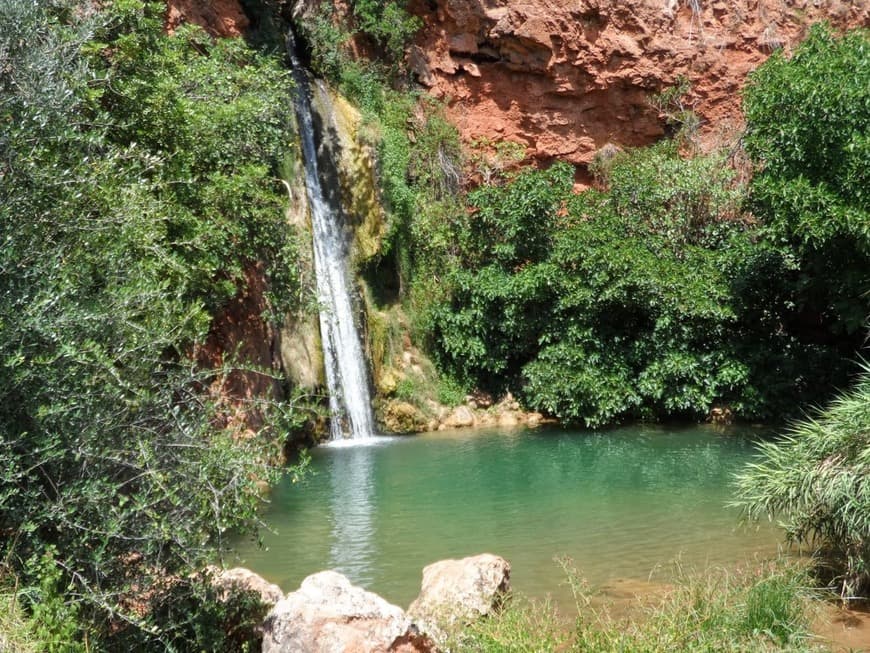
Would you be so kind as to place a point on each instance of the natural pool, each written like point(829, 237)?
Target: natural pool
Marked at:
point(623, 504)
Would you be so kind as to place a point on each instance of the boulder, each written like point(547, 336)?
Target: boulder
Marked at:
point(508, 419)
point(460, 417)
point(239, 579)
point(329, 615)
point(403, 417)
point(456, 592)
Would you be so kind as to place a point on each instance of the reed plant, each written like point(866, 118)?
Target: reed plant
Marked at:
point(816, 480)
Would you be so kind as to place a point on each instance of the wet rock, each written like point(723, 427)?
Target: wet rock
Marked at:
point(534, 419)
point(460, 417)
point(508, 419)
point(456, 592)
point(329, 615)
point(387, 382)
point(403, 417)
point(721, 415)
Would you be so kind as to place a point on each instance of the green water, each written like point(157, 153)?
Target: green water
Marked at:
point(623, 504)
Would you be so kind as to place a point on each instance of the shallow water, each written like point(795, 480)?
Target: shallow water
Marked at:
point(623, 504)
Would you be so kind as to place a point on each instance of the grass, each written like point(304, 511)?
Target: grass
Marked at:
point(16, 631)
point(767, 609)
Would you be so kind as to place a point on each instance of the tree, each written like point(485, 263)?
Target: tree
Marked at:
point(808, 118)
point(808, 132)
point(125, 219)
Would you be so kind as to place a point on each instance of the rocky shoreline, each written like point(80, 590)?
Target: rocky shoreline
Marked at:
point(328, 614)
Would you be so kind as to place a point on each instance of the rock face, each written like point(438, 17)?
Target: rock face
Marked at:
point(329, 615)
point(402, 417)
point(566, 77)
point(238, 334)
point(563, 78)
point(455, 592)
point(218, 17)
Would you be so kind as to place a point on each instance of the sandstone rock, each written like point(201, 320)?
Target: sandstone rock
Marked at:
point(403, 417)
point(480, 398)
point(387, 382)
point(534, 419)
point(721, 415)
point(569, 76)
point(239, 579)
point(217, 17)
point(329, 615)
point(508, 419)
point(460, 417)
point(455, 592)
point(486, 419)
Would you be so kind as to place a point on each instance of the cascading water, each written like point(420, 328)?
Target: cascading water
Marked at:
point(346, 374)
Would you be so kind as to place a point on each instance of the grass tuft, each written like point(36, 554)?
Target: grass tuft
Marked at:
point(768, 609)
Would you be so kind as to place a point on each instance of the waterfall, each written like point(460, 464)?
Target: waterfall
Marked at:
point(346, 372)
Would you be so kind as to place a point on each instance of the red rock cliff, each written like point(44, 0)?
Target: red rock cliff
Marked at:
point(218, 17)
point(565, 77)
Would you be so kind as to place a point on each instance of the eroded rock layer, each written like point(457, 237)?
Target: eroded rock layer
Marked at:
point(565, 77)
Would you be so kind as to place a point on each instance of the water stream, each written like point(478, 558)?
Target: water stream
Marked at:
point(346, 372)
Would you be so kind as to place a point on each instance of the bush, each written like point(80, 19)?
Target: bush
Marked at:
point(136, 185)
point(807, 132)
point(601, 306)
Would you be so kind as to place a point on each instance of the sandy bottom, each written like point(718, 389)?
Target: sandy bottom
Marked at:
point(844, 630)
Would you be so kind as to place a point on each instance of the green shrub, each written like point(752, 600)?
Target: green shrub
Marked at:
point(388, 23)
point(600, 306)
point(807, 132)
point(450, 392)
point(137, 185)
point(197, 616)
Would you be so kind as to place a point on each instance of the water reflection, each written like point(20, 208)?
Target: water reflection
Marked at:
point(352, 548)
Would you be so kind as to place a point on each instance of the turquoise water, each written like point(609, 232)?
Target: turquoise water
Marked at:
point(623, 504)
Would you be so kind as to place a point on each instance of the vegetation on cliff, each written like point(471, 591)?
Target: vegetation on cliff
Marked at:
point(676, 288)
point(137, 183)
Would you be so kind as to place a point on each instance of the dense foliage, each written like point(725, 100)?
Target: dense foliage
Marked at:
point(816, 480)
point(808, 129)
point(137, 183)
point(676, 289)
point(601, 305)
point(809, 126)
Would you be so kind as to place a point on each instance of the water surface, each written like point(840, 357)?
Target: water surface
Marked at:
point(623, 504)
